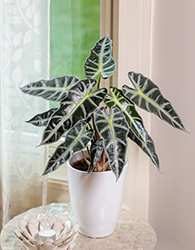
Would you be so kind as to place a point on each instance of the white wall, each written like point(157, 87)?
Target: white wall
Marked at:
point(172, 193)
point(171, 203)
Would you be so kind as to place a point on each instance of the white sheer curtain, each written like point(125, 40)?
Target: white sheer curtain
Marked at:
point(24, 57)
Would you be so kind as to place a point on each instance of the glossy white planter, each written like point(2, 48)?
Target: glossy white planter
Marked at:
point(96, 200)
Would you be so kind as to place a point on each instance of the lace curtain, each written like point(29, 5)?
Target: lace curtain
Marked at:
point(24, 58)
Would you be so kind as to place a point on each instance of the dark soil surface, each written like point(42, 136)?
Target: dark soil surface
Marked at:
point(81, 165)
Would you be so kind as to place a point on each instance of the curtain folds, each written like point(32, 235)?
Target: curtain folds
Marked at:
point(24, 58)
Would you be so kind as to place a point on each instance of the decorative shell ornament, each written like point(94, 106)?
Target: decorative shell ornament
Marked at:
point(46, 233)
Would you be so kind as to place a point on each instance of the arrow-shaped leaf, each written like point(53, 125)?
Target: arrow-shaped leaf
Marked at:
point(42, 119)
point(100, 61)
point(80, 103)
point(148, 96)
point(52, 90)
point(95, 153)
point(147, 147)
point(76, 139)
point(132, 117)
point(113, 128)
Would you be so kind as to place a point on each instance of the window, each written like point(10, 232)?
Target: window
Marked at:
point(74, 29)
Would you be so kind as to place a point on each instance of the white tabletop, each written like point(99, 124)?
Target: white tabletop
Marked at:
point(131, 232)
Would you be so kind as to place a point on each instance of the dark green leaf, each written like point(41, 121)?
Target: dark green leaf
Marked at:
point(147, 147)
point(100, 61)
point(113, 128)
point(42, 119)
point(52, 90)
point(76, 139)
point(148, 96)
point(95, 153)
point(80, 103)
point(133, 119)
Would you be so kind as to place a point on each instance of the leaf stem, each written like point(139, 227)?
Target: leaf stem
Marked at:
point(99, 78)
point(88, 163)
point(89, 124)
point(102, 158)
point(105, 166)
point(97, 135)
point(88, 152)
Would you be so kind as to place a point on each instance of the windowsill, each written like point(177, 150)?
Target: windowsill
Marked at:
point(59, 175)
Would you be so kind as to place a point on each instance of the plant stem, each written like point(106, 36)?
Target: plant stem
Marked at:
point(105, 166)
point(88, 152)
point(103, 160)
point(89, 124)
point(88, 163)
point(97, 135)
point(99, 78)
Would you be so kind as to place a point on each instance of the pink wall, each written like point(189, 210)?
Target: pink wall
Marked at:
point(172, 193)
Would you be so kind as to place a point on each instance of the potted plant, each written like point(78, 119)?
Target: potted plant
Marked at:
point(102, 131)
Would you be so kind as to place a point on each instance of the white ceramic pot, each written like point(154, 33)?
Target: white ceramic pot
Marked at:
point(96, 199)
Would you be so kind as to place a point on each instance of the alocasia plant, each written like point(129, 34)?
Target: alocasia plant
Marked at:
point(81, 120)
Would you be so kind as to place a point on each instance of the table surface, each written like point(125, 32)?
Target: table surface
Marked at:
point(131, 232)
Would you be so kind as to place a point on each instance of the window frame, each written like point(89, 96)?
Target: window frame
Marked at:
point(137, 42)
